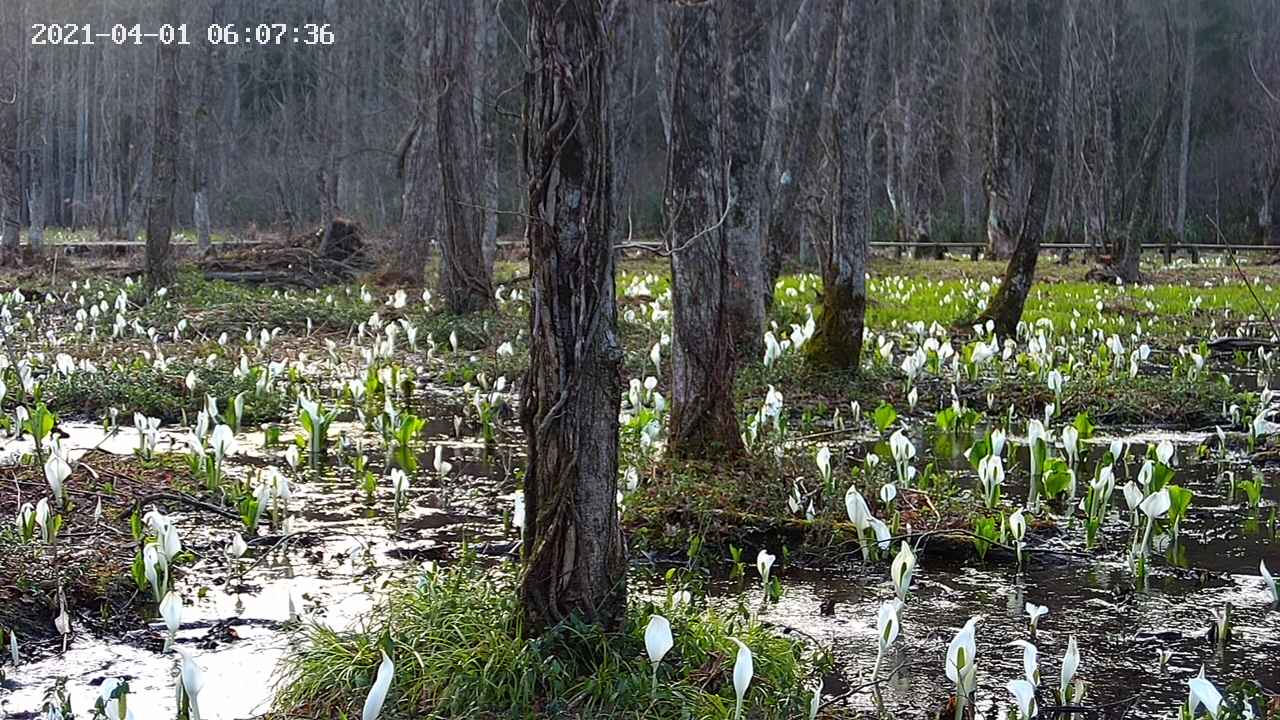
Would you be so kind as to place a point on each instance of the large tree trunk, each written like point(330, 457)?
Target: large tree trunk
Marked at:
point(574, 555)
point(703, 418)
point(1047, 26)
point(837, 344)
point(801, 157)
point(466, 274)
point(746, 55)
point(416, 157)
point(164, 164)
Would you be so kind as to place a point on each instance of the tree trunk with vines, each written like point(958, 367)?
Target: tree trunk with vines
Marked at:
point(574, 557)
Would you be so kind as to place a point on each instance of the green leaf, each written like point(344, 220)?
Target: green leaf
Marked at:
point(884, 416)
point(1084, 425)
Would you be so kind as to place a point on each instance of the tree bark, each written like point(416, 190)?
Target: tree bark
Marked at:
point(801, 157)
point(1188, 86)
point(745, 50)
point(416, 157)
point(837, 343)
point(466, 274)
point(10, 166)
point(574, 556)
point(160, 271)
point(997, 180)
point(1047, 25)
point(703, 419)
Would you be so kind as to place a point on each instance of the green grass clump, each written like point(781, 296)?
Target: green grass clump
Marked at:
point(141, 388)
point(455, 639)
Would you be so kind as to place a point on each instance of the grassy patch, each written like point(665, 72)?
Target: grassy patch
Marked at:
point(141, 388)
point(456, 643)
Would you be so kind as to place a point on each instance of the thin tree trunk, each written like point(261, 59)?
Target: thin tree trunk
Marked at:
point(1188, 85)
point(703, 420)
point(416, 158)
point(837, 344)
point(35, 232)
point(1047, 25)
point(574, 556)
point(486, 110)
point(746, 56)
point(10, 165)
point(164, 168)
point(803, 151)
point(997, 180)
point(466, 275)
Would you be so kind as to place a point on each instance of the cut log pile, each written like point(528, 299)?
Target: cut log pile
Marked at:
point(307, 260)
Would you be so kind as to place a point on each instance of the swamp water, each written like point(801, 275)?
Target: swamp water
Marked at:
point(337, 552)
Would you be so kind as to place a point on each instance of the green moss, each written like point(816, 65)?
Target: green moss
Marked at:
point(456, 643)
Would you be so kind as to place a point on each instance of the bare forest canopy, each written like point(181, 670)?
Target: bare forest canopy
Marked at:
point(278, 131)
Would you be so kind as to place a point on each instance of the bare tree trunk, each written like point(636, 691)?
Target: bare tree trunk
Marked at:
point(1047, 25)
point(10, 166)
point(703, 421)
point(416, 157)
point(661, 65)
point(1188, 86)
point(746, 56)
point(35, 207)
point(139, 194)
point(996, 180)
point(485, 72)
point(1144, 178)
point(801, 157)
point(837, 344)
point(164, 168)
point(466, 275)
point(574, 554)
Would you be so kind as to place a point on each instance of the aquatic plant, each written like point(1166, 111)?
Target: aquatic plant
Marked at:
point(315, 421)
point(657, 642)
point(56, 472)
point(190, 684)
point(378, 691)
point(1070, 690)
point(1034, 613)
point(171, 612)
point(743, 670)
point(991, 479)
point(1024, 696)
point(901, 570)
point(764, 563)
point(888, 625)
point(961, 665)
point(1018, 529)
point(1202, 693)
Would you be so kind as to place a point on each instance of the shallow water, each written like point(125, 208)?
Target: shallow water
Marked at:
point(344, 548)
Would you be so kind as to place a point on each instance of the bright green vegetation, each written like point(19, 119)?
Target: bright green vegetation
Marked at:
point(455, 640)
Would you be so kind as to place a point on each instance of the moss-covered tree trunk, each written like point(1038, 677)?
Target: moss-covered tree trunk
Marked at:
point(703, 420)
point(574, 557)
point(1046, 21)
point(837, 344)
point(746, 104)
point(164, 163)
point(466, 270)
